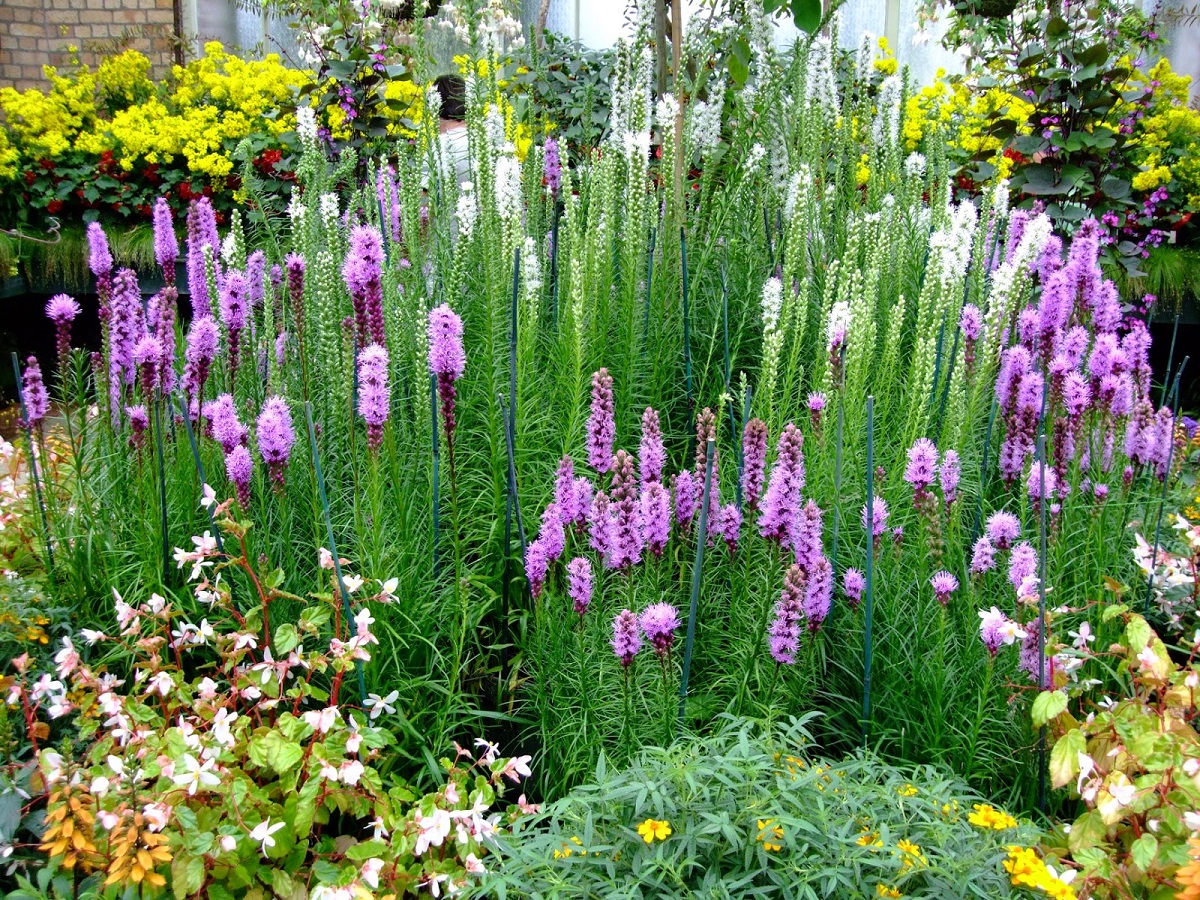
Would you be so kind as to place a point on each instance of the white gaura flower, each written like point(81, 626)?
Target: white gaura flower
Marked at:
point(352, 582)
point(221, 724)
point(196, 776)
point(379, 705)
point(351, 771)
point(262, 834)
point(432, 830)
point(322, 720)
point(370, 872)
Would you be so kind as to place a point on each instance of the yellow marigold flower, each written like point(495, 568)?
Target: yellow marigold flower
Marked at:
point(986, 816)
point(911, 856)
point(887, 890)
point(654, 830)
point(907, 790)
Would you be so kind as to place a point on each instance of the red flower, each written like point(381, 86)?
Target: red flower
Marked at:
point(30, 177)
point(185, 191)
point(46, 164)
point(54, 206)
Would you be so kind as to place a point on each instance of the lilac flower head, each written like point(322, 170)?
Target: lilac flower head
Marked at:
point(853, 585)
point(602, 429)
point(223, 423)
point(687, 497)
point(804, 537)
point(627, 639)
point(1031, 661)
point(1002, 529)
point(446, 355)
point(600, 525)
point(166, 245)
point(147, 355)
point(652, 455)
point(1077, 394)
point(729, 525)
point(202, 340)
point(374, 397)
point(625, 549)
point(659, 622)
point(579, 586)
point(362, 272)
point(275, 436)
point(552, 533)
point(564, 493)
point(754, 461)
point(100, 259)
point(876, 521)
point(922, 465)
point(234, 307)
point(1022, 569)
point(983, 556)
point(783, 635)
point(816, 405)
point(1042, 483)
point(781, 505)
point(656, 517)
point(62, 309)
point(950, 473)
point(537, 564)
point(1014, 363)
point(139, 423)
point(970, 321)
point(553, 167)
point(944, 584)
point(201, 233)
point(239, 467)
point(33, 389)
point(991, 629)
point(818, 599)
point(256, 278)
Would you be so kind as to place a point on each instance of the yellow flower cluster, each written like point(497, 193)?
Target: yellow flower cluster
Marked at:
point(216, 101)
point(770, 834)
point(1026, 868)
point(986, 816)
point(1166, 144)
point(654, 830)
point(45, 124)
point(567, 851)
point(31, 631)
point(886, 61)
point(911, 856)
point(887, 890)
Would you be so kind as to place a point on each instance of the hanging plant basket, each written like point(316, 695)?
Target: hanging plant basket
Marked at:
point(988, 9)
point(406, 10)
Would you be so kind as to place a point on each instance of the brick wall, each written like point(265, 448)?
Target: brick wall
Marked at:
point(34, 33)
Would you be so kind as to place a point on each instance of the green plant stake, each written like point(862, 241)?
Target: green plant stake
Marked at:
point(513, 500)
point(187, 421)
point(33, 468)
point(337, 566)
point(733, 429)
point(510, 423)
point(983, 472)
point(937, 365)
point(162, 490)
point(937, 428)
point(869, 603)
point(1041, 754)
point(837, 480)
point(554, 263)
point(1166, 481)
point(687, 334)
point(1170, 362)
point(701, 540)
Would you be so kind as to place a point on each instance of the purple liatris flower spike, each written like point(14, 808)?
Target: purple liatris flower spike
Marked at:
point(256, 278)
point(816, 405)
point(983, 556)
point(922, 468)
point(234, 307)
point(447, 360)
point(166, 245)
point(783, 635)
point(602, 428)
point(659, 622)
point(201, 233)
point(970, 322)
point(294, 263)
point(781, 505)
point(224, 425)
point(1002, 529)
point(374, 397)
point(729, 525)
point(579, 583)
point(33, 389)
point(627, 639)
point(537, 564)
point(687, 497)
point(362, 272)
point(1031, 661)
point(553, 167)
point(875, 522)
point(805, 537)
point(202, 340)
point(139, 423)
point(853, 585)
point(164, 330)
point(652, 455)
point(1022, 569)
point(625, 548)
point(951, 472)
point(275, 436)
point(656, 517)
point(564, 492)
point(100, 259)
point(552, 533)
point(239, 467)
point(944, 584)
point(818, 598)
point(147, 355)
point(62, 310)
point(754, 461)
point(600, 526)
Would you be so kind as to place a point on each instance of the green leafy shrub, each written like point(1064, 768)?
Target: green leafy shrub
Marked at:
point(749, 812)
